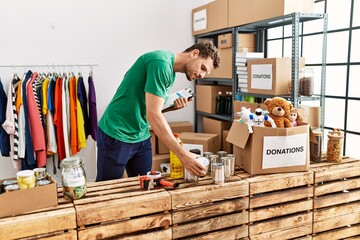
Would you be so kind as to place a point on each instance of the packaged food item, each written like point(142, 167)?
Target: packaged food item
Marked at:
point(226, 161)
point(176, 168)
point(306, 82)
point(218, 175)
point(25, 179)
point(232, 163)
point(315, 148)
point(11, 188)
point(40, 173)
point(7, 183)
point(334, 145)
point(73, 178)
point(42, 182)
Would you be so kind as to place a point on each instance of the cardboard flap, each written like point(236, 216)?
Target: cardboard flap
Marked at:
point(238, 134)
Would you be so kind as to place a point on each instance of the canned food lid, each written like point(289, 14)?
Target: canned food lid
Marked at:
point(203, 160)
point(12, 187)
point(43, 182)
point(39, 169)
point(25, 173)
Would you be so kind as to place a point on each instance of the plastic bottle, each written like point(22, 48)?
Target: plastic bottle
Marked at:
point(176, 168)
point(219, 103)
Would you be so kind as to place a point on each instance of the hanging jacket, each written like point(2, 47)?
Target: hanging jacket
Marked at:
point(4, 137)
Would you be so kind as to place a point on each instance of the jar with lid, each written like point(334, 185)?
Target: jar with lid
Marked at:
point(306, 82)
point(315, 148)
point(334, 145)
point(73, 178)
point(25, 179)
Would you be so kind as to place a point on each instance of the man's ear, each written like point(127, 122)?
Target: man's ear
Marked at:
point(195, 53)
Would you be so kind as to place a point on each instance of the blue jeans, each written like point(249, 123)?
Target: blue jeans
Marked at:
point(113, 156)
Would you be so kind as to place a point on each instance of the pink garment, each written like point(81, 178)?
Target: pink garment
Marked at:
point(37, 131)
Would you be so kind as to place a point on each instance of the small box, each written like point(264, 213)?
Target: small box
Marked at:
point(206, 97)
point(271, 150)
point(210, 17)
point(270, 75)
point(225, 69)
point(210, 141)
point(226, 146)
point(247, 40)
point(215, 126)
point(176, 127)
point(17, 202)
point(159, 159)
point(247, 11)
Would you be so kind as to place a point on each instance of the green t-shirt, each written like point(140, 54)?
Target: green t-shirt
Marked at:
point(125, 117)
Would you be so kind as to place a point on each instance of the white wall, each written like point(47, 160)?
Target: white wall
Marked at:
point(111, 33)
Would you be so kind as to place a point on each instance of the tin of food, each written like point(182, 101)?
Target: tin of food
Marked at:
point(7, 183)
point(40, 173)
point(43, 182)
point(11, 188)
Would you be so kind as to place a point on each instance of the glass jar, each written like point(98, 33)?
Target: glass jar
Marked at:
point(315, 148)
point(306, 82)
point(25, 179)
point(73, 178)
point(334, 145)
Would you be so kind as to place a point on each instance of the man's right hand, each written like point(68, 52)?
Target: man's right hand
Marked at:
point(190, 163)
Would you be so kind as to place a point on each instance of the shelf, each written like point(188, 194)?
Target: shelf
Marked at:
point(279, 21)
point(220, 81)
point(218, 32)
point(217, 116)
point(288, 97)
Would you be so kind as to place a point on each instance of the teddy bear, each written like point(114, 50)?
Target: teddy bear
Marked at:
point(279, 108)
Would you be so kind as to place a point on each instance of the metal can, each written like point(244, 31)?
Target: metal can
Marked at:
point(214, 158)
point(42, 182)
point(218, 173)
point(11, 188)
point(40, 173)
point(232, 163)
point(226, 161)
point(222, 154)
point(207, 154)
point(73, 178)
point(7, 183)
point(193, 178)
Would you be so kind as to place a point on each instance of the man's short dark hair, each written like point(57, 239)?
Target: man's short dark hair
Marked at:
point(207, 49)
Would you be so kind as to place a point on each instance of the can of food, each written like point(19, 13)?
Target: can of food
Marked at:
point(42, 182)
point(7, 183)
point(25, 179)
point(214, 158)
point(11, 188)
point(207, 154)
point(193, 178)
point(222, 154)
point(40, 173)
point(232, 163)
point(218, 173)
point(226, 161)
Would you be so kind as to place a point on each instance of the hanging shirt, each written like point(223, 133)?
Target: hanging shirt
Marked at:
point(37, 131)
point(73, 115)
point(21, 121)
point(65, 115)
point(82, 96)
point(92, 109)
point(4, 137)
point(81, 141)
point(51, 146)
point(58, 120)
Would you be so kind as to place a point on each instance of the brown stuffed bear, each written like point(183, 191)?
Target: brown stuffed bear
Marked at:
point(279, 108)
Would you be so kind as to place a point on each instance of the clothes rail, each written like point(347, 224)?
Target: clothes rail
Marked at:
point(48, 65)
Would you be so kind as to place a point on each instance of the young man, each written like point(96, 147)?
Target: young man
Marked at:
point(123, 138)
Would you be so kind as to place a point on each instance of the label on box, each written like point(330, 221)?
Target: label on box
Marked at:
point(261, 76)
point(284, 151)
point(200, 20)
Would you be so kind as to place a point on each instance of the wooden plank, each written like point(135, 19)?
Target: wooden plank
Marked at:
point(71, 235)
point(280, 210)
point(261, 184)
point(285, 233)
point(280, 223)
point(227, 234)
point(210, 210)
point(338, 210)
point(283, 196)
point(211, 224)
point(336, 222)
point(161, 234)
point(117, 209)
point(337, 186)
point(335, 172)
point(341, 233)
point(200, 195)
point(37, 223)
point(336, 199)
point(125, 227)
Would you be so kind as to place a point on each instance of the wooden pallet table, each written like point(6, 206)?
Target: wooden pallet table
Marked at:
point(337, 200)
point(56, 223)
point(119, 209)
point(203, 210)
point(280, 205)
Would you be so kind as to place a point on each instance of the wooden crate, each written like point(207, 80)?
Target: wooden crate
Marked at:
point(337, 199)
point(280, 205)
point(120, 209)
point(57, 223)
point(203, 210)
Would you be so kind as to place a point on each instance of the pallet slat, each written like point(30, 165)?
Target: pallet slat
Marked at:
point(336, 222)
point(335, 199)
point(163, 234)
point(227, 234)
point(347, 233)
point(285, 233)
point(336, 211)
point(338, 186)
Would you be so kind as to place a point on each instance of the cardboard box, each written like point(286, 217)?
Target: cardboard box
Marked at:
point(247, 40)
point(158, 159)
point(270, 76)
point(215, 126)
point(226, 65)
point(271, 150)
point(311, 115)
point(179, 127)
point(21, 201)
point(210, 141)
point(210, 17)
point(247, 11)
point(206, 97)
point(226, 146)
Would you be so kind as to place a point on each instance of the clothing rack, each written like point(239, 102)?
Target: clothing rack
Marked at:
point(49, 65)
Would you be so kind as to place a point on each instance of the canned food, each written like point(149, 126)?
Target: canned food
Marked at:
point(226, 161)
point(25, 179)
point(40, 173)
point(42, 182)
point(222, 154)
point(218, 173)
point(232, 163)
point(7, 183)
point(11, 188)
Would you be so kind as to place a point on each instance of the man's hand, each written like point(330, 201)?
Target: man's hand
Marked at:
point(181, 103)
point(192, 165)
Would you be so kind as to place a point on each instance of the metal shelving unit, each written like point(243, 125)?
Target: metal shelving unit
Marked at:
point(260, 28)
